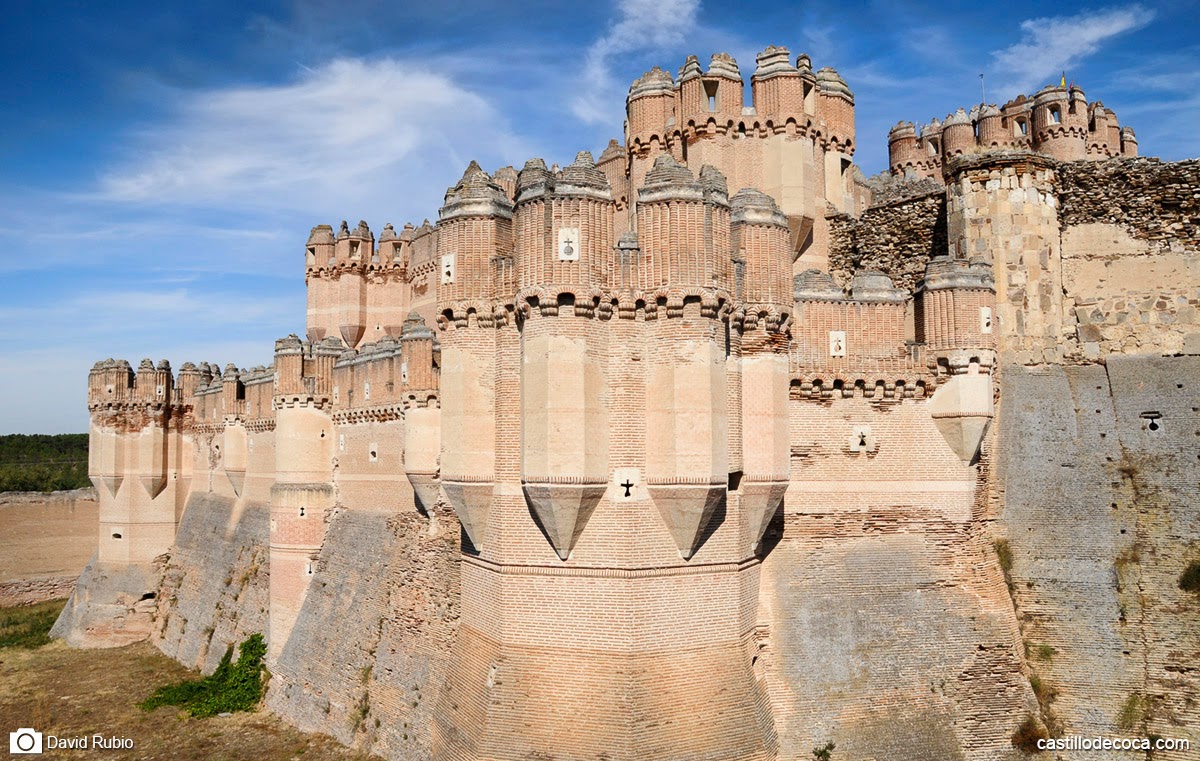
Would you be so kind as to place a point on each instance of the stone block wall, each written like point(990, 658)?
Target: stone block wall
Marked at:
point(888, 627)
point(1130, 242)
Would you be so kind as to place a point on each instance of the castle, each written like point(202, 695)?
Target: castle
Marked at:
point(703, 449)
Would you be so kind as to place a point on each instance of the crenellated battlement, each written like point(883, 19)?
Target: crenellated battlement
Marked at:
point(1057, 121)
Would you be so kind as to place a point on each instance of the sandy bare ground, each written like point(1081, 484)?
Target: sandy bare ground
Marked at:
point(55, 537)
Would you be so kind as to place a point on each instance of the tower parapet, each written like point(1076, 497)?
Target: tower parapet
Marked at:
point(475, 240)
point(1057, 121)
point(795, 142)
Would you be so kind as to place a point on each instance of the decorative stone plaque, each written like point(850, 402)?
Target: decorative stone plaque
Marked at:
point(837, 343)
point(568, 244)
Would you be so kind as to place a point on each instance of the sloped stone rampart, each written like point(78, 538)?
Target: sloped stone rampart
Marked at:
point(368, 652)
point(213, 593)
point(1100, 514)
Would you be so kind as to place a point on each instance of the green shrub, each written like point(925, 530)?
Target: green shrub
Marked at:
point(1189, 580)
point(823, 752)
point(232, 687)
point(1026, 736)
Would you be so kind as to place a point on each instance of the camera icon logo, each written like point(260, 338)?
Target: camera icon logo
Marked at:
point(25, 741)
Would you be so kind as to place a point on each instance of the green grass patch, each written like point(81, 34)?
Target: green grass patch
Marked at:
point(1189, 580)
point(29, 626)
point(232, 687)
point(1131, 713)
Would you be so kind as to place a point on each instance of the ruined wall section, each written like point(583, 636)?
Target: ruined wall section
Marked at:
point(369, 648)
point(1098, 512)
point(1130, 238)
point(897, 238)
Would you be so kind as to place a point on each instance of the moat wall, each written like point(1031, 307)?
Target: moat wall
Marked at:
point(889, 628)
point(214, 586)
point(369, 649)
point(45, 541)
point(1100, 515)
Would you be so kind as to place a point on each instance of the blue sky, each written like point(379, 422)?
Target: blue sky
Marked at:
point(161, 163)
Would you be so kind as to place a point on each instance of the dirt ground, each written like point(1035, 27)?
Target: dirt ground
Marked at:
point(75, 693)
point(55, 537)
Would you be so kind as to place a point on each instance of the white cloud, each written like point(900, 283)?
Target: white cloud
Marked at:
point(350, 138)
point(1049, 46)
point(642, 25)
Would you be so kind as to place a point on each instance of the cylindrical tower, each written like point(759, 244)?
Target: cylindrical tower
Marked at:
point(303, 489)
point(776, 86)
point(564, 238)
point(1056, 130)
point(759, 236)
point(422, 413)
point(1129, 144)
point(686, 452)
point(353, 252)
point(319, 277)
point(958, 135)
point(475, 227)
point(904, 155)
point(992, 132)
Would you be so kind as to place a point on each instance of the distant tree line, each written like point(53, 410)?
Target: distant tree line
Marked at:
point(38, 462)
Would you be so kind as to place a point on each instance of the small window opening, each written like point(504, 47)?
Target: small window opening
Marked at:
point(150, 596)
point(710, 89)
point(301, 511)
point(1020, 128)
point(353, 248)
point(1055, 115)
point(116, 535)
point(308, 571)
point(735, 480)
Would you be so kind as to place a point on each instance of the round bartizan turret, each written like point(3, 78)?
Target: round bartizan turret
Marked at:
point(750, 206)
point(415, 328)
point(816, 285)
point(873, 285)
point(831, 83)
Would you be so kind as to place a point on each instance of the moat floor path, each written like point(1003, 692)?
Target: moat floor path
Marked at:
point(71, 693)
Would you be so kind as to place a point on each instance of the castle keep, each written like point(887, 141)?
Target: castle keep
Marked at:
point(706, 448)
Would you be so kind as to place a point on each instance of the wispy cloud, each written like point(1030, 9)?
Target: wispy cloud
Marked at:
point(345, 136)
point(1051, 45)
point(643, 25)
